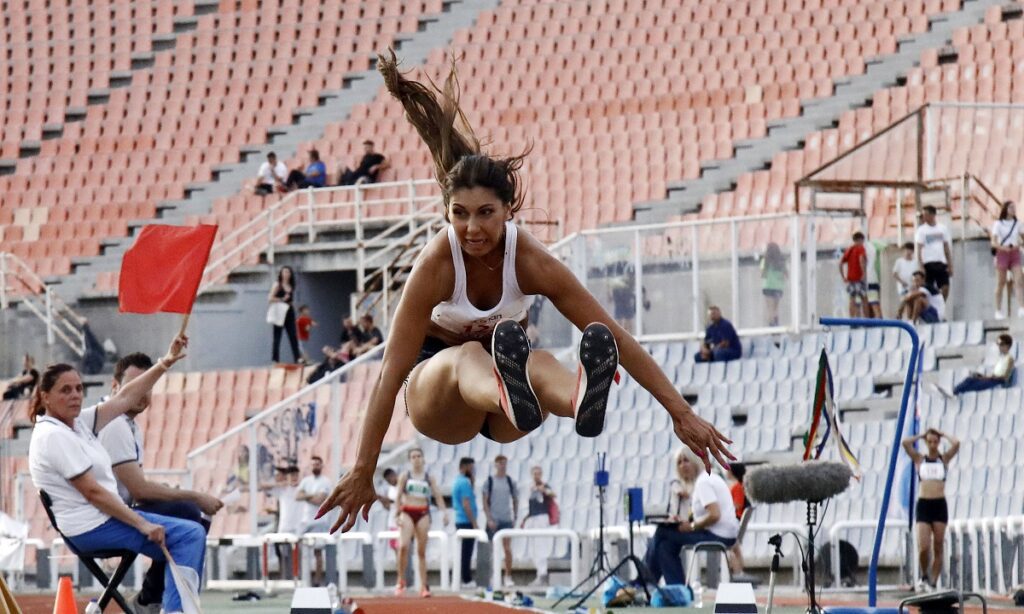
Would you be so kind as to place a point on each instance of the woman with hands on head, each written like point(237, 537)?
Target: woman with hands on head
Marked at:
point(68, 462)
point(457, 338)
point(931, 512)
point(415, 487)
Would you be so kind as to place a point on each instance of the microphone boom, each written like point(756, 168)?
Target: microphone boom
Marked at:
point(811, 481)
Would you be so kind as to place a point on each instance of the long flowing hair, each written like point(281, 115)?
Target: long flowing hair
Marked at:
point(459, 159)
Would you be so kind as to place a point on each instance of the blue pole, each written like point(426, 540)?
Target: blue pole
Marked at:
point(907, 385)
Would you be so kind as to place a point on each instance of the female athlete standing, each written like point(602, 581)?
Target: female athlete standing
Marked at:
point(457, 339)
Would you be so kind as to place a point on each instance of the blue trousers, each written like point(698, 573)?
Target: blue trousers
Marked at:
point(976, 384)
point(186, 541)
point(153, 582)
point(721, 355)
point(663, 552)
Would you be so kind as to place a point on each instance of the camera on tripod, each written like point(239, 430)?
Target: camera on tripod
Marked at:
point(775, 541)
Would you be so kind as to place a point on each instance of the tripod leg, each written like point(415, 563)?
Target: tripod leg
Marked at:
point(602, 581)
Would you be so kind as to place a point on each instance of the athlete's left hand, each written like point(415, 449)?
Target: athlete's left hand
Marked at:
point(701, 437)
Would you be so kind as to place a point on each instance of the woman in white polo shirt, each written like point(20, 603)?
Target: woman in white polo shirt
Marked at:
point(67, 460)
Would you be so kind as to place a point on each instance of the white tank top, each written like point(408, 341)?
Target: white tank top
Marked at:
point(459, 316)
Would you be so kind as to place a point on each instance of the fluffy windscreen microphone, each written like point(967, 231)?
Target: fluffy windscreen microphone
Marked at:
point(812, 481)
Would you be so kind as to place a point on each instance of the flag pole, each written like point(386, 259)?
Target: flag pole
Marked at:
point(184, 324)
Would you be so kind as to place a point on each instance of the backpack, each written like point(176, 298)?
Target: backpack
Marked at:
point(490, 486)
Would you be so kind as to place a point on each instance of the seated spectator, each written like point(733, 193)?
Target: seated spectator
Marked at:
point(1002, 372)
point(923, 302)
point(350, 338)
point(24, 384)
point(369, 334)
point(315, 175)
point(721, 343)
point(271, 176)
point(67, 460)
point(369, 169)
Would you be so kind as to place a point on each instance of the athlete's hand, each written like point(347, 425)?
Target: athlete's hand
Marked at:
point(354, 494)
point(701, 437)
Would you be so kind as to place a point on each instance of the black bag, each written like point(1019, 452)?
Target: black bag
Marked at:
point(1003, 241)
point(849, 564)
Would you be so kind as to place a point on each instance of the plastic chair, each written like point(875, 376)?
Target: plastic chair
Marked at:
point(110, 584)
point(717, 547)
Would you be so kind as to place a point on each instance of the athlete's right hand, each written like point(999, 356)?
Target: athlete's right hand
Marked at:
point(354, 494)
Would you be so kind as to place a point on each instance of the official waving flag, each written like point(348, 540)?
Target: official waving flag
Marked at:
point(162, 270)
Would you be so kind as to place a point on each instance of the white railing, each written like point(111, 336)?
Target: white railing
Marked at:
point(498, 554)
point(311, 210)
point(842, 526)
point(19, 282)
point(985, 554)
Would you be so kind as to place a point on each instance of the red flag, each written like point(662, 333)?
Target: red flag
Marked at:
point(162, 270)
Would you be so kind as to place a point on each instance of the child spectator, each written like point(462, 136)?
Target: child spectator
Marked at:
point(904, 268)
point(923, 302)
point(852, 267)
point(304, 324)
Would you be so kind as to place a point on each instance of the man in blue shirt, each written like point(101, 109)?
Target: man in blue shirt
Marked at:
point(314, 177)
point(464, 504)
point(721, 343)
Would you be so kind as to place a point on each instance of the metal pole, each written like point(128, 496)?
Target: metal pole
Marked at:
point(49, 316)
point(3, 280)
point(311, 215)
point(894, 453)
point(929, 134)
point(254, 480)
point(412, 206)
point(386, 297)
point(336, 424)
point(270, 237)
point(695, 280)
point(360, 248)
point(812, 273)
point(899, 216)
point(638, 285)
point(735, 270)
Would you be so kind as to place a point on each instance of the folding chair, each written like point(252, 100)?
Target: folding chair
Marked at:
point(89, 560)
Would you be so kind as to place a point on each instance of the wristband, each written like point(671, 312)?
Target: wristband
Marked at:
point(163, 364)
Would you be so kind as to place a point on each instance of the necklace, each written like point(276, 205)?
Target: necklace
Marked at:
point(487, 266)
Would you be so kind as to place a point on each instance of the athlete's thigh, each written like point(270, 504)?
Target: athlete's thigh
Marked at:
point(938, 533)
point(405, 527)
point(434, 404)
point(924, 535)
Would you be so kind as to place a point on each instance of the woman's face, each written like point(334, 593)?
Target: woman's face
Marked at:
point(686, 469)
point(286, 275)
point(1011, 211)
point(479, 217)
point(416, 460)
point(64, 400)
point(932, 441)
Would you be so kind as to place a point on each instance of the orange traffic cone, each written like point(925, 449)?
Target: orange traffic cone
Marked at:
point(65, 603)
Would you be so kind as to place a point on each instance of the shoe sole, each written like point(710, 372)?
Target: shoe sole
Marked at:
point(599, 359)
point(510, 351)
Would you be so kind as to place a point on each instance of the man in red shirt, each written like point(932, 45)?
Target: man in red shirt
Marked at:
point(853, 267)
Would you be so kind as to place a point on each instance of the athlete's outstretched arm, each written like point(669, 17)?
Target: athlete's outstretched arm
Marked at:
point(539, 272)
point(354, 493)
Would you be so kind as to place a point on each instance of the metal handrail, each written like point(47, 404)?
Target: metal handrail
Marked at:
point(60, 319)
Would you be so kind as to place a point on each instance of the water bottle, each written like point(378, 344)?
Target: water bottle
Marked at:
point(93, 607)
point(698, 596)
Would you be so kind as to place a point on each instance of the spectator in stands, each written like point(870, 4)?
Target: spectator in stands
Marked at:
point(736, 473)
point(873, 277)
point(540, 505)
point(415, 488)
point(285, 490)
point(852, 267)
point(923, 302)
point(369, 335)
point(501, 504)
point(335, 357)
point(773, 281)
point(935, 251)
point(1006, 235)
point(122, 439)
point(24, 384)
point(315, 175)
point(903, 269)
point(281, 313)
point(712, 517)
point(303, 326)
point(1002, 372)
point(721, 343)
point(464, 504)
point(931, 511)
point(68, 462)
point(272, 176)
point(369, 169)
point(311, 492)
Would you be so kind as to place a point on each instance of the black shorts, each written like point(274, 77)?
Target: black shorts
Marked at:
point(930, 511)
point(431, 346)
point(936, 273)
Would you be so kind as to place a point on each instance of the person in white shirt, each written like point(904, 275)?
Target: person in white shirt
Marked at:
point(289, 513)
point(1002, 372)
point(122, 439)
point(903, 269)
point(271, 176)
point(311, 492)
point(923, 302)
point(68, 463)
point(935, 253)
point(1006, 240)
point(712, 518)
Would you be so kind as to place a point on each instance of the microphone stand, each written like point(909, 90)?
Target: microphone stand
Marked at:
point(776, 541)
point(809, 571)
point(601, 564)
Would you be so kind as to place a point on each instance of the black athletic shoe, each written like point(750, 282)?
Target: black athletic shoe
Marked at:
point(599, 361)
point(510, 349)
